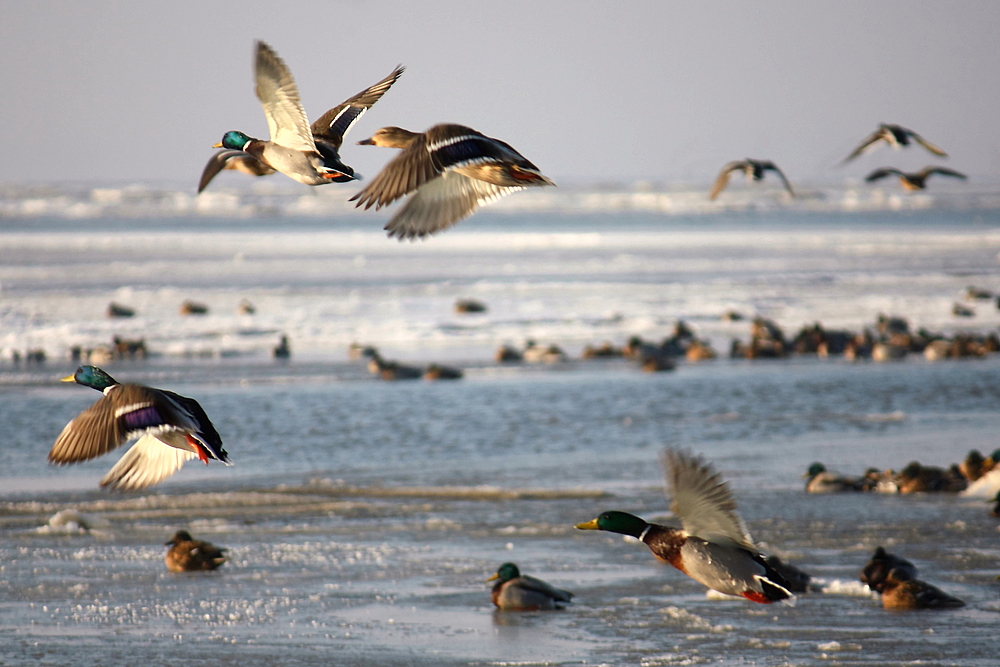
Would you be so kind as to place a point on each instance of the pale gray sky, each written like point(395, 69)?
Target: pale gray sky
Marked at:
point(591, 91)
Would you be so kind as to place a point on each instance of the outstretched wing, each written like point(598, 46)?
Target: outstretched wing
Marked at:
point(228, 159)
point(773, 167)
point(337, 122)
point(441, 202)
point(882, 173)
point(93, 432)
point(149, 461)
point(278, 94)
point(944, 171)
point(866, 146)
point(722, 180)
point(702, 501)
point(926, 144)
point(403, 174)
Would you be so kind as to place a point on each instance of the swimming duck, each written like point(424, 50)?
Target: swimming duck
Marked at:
point(821, 480)
point(713, 546)
point(391, 370)
point(187, 554)
point(309, 155)
point(917, 478)
point(519, 592)
point(170, 428)
point(902, 592)
point(913, 180)
point(451, 170)
point(974, 465)
point(875, 571)
point(895, 136)
point(754, 170)
point(995, 512)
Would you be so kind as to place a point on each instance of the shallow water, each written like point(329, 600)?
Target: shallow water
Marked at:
point(363, 517)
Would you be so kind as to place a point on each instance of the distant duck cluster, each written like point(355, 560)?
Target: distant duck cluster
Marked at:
point(393, 370)
point(891, 340)
point(914, 478)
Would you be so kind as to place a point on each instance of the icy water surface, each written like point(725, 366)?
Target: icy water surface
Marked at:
point(363, 517)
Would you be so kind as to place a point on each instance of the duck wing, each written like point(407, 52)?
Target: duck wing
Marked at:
point(403, 174)
point(441, 202)
point(867, 145)
point(926, 144)
point(944, 171)
point(149, 461)
point(703, 502)
point(337, 122)
point(882, 173)
point(227, 159)
point(537, 585)
point(773, 167)
point(92, 433)
point(278, 94)
point(722, 180)
point(206, 429)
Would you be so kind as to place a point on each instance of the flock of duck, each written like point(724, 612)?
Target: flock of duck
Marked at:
point(447, 171)
point(712, 546)
point(914, 478)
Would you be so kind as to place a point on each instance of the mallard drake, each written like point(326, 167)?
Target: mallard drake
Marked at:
point(309, 155)
point(713, 546)
point(916, 180)
point(821, 480)
point(519, 592)
point(451, 170)
point(895, 136)
point(187, 554)
point(875, 571)
point(236, 160)
point(900, 591)
point(170, 428)
point(754, 170)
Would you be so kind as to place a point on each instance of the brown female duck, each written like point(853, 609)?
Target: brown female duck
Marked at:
point(449, 171)
point(187, 554)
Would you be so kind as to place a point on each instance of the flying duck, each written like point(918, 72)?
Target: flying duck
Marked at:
point(170, 428)
point(754, 170)
point(916, 180)
point(451, 170)
point(713, 545)
point(895, 136)
point(309, 155)
point(519, 592)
